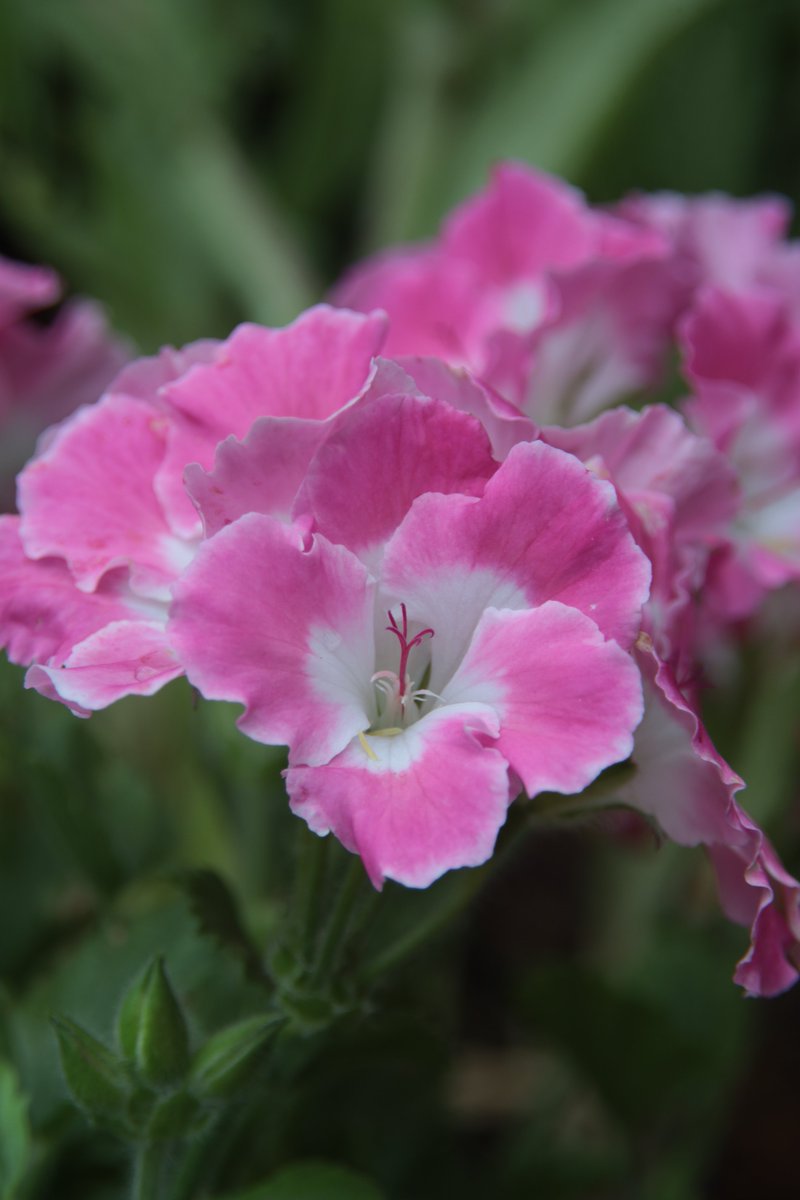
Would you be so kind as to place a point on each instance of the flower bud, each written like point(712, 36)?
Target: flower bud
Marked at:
point(152, 1029)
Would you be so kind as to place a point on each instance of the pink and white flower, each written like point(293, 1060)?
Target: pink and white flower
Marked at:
point(106, 525)
point(560, 307)
point(742, 359)
point(431, 634)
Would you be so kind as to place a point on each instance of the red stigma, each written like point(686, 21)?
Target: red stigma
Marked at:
point(406, 646)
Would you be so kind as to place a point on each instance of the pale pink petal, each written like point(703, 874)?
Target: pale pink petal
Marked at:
point(716, 238)
point(567, 700)
point(689, 789)
point(288, 632)
point(125, 658)
point(42, 613)
point(381, 457)
point(89, 497)
point(544, 529)
point(419, 804)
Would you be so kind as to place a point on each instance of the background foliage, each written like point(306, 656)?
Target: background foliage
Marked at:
point(575, 1033)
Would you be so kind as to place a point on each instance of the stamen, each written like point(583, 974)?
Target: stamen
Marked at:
point(406, 646)
point(370, 753)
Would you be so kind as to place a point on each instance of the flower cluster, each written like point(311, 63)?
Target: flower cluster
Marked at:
point(422, 540)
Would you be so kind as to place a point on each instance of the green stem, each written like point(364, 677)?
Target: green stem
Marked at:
point(423, 930)
point(336, 928)
point(147, 1170)
point(311, 867)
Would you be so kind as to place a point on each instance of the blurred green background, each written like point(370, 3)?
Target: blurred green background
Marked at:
point(192, 164)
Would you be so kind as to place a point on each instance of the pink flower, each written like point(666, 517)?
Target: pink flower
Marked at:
point(742, 358)
point(106, 525)
point(46, 370)
point(714, 238)
point(433, 633)
point(560, 307)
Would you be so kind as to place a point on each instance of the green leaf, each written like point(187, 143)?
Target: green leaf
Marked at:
point(568, 84)
point(217, 913)
point(15, 1134)
point(312, 1181)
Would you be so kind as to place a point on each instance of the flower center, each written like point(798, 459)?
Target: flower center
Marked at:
point(397, 692)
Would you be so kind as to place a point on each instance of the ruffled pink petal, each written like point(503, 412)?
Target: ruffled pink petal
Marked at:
point(689, 789)
point(287, 632)
point(717, 239)
point(567, 700)
point(125, 658)
point(261, 474)
point(42, 613)
point(544, 529)
point(421, 803)
point(526, 222)
point(89, 497)
point(307, 370)
point(381, 457)
point(503, 422)
point(427, 300)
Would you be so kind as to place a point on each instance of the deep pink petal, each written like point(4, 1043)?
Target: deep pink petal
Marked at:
point(381, 457)
point(503, 422)
point(287, 632)
point(428, 800)
point(567, 700)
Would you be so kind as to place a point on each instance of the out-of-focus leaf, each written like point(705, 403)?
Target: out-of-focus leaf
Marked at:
point(570, 79)
point(312, 1181)
point(15, 1134)
point(217, 914)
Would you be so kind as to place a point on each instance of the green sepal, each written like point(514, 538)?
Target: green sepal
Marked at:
point(162, 1036)
point(231, 1058)
point(130, 1015)
point(175, 1116)
point(96, 1080)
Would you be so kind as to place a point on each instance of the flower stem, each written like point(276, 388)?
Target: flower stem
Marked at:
point(147, 1171)
point(336, 929)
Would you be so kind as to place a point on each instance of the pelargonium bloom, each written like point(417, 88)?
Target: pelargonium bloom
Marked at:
point(432, 633)
point(561, 307)
point(106, 525)
point(46, 370)
point(742, 359)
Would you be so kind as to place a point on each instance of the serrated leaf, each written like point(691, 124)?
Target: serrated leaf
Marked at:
point(217, 913)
